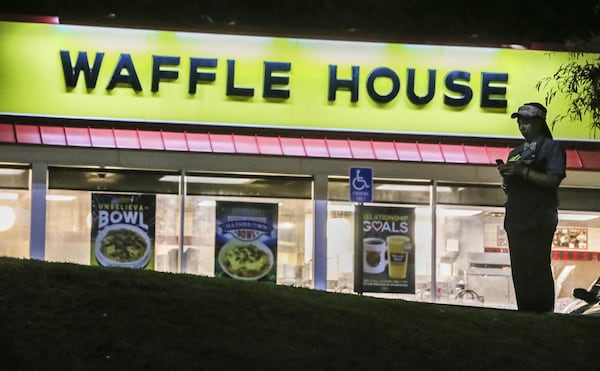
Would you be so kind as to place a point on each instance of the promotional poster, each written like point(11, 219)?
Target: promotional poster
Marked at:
point(246, 241)
point(122, 231)
point(385, 249)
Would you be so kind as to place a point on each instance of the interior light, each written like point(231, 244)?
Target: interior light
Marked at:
point(59, 198)
point(402, 187)
point(8, 196)
point(412, 188)
point(207, 203)
point(458, 212)
point(426, 212)
point(11, 171)
point(341, 207)
point(577, 217)
point(286, 225)
point(7, 218)
point(207, 179)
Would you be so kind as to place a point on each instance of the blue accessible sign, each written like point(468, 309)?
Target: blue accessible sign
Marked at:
point(361, 184)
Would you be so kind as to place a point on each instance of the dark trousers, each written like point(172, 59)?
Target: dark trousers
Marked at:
point(530, 255)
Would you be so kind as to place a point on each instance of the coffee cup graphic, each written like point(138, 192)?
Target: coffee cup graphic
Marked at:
point(374, 255)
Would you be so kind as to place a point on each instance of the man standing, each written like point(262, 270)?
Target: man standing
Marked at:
point(531, 177)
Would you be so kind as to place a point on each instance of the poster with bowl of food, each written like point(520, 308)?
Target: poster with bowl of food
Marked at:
point(246, 241)
point(122, 233)
point(123, 245)
point(248, 261)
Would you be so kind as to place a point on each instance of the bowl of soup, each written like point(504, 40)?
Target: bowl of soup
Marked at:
point(245, 260)
point(123, 245)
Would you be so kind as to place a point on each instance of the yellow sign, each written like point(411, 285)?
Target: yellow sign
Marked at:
point(192, 78)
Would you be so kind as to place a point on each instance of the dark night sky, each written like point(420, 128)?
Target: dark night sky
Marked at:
point(435, 21)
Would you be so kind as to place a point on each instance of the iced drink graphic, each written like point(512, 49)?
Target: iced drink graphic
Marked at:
point(398, 249)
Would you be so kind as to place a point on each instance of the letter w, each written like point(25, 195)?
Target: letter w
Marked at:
point(82, 65)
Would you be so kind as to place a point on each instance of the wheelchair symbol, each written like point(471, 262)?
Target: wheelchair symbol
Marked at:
point(359, 183)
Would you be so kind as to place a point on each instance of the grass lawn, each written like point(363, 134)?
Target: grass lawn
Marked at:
point(70, 317)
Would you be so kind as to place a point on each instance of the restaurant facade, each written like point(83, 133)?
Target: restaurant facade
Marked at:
point(354, 167)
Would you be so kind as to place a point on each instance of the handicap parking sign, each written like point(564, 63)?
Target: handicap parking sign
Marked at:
point(361, 184)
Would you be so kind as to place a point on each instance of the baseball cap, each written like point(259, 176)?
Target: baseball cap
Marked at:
point(529, 110)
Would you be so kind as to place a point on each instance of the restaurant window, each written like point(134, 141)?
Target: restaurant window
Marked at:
point(69, 212)
point(472, 260)
point(473, 263)
point(389, 197)
point(14, 211)
point(576, 244)
point(290, 196)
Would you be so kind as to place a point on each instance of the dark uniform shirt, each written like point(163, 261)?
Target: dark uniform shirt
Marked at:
point(530, 205)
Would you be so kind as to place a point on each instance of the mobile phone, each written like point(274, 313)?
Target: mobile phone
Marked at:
point(499, 161)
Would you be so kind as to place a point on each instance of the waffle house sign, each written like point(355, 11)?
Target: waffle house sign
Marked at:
point(198, 79)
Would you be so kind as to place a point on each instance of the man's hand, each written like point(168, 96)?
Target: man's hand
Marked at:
point(513, 169)
point(518, 170)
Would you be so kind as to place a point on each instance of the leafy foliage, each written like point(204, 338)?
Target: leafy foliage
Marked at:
point(579, 82)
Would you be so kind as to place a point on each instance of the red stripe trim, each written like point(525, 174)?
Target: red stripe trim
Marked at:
point(454, 153)
point(150, 140)
point(264, 145)
point(430, 152)
point(102, 138)
point(269, 146)
point(28, 134)
point(339, 148)
point(408, 151)
point(292, 147)
point(199, 142)
point(476, 155)
point(53, 135)
point(245, 144)
point(175, 141)
point(590, 160)
point(221, 143)
point(385, 151)
point(78, 137)
point(127, 139)
point(362, 149)
point(496, 152)
point(315, 147)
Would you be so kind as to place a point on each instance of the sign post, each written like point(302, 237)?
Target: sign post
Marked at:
point(361, 190)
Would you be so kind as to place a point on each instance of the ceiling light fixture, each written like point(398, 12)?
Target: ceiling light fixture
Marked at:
point(59, 198)
point(11, 171)
point(341, 207)
point(207, 203)
point(458, 212)
point(286, 225)
point(413, 188)
point(207, 179)
point(577, 217)
point(426, 212)
point(8, 196)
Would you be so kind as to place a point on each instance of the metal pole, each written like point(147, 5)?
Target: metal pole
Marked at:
point(433, 202)
point(37, 227)
point(182, 193)
point(320, 231)
point(358, 250)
